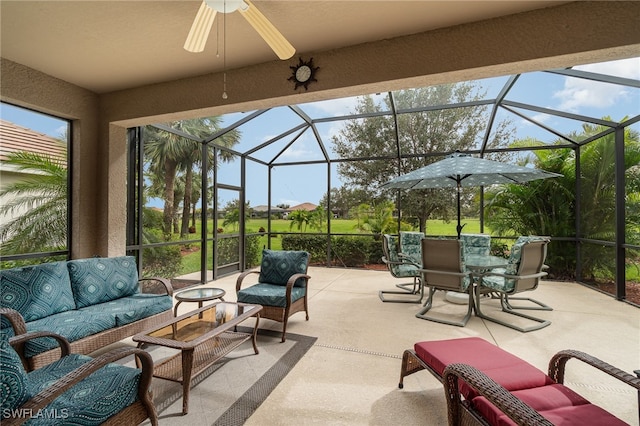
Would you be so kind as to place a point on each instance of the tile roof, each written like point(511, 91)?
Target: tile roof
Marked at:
point(14, 138)
point(304, 206)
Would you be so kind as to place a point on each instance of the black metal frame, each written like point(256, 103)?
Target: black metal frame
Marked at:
point(497, 103)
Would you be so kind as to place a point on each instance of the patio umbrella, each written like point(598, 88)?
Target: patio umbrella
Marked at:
point(460, 170)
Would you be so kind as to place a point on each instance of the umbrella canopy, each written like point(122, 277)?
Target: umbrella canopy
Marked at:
point(463, 170)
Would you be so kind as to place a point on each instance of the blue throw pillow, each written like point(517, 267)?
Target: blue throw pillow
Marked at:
point(279, 265)
point(13, 378)
point(37, 291)
point(99, 280)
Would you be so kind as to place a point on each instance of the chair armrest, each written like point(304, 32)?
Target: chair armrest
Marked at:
point(290, 283)
point(514, 408)
point(558, 362)
point(513, 277)
point(45, 397)
point(406, 259)
point(16, 320)
point(17, 342)
point(435, 271)
point(165, 282)
point(242, 276)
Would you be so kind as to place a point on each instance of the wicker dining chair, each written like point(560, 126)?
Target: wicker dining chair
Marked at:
point(443, 269)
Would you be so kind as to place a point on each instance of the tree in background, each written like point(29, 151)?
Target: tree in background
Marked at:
point(377, 219)
point(232, 214)
point(41, 201)
point(547, 207)
point(443, 130)
point(343, 199)
point(300, 218)
point(168, 153)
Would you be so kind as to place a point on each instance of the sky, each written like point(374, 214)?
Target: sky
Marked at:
point(294, 185)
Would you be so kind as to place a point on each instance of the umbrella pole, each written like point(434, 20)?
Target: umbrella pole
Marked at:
point(459, 227)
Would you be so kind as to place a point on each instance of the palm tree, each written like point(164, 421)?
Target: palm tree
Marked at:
point(299, 218)
point(547, 207)
point(41, 201)
point(167, 153)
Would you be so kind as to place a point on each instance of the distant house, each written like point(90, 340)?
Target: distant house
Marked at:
point(262, 211)
point(14, 138)
point(304, 206)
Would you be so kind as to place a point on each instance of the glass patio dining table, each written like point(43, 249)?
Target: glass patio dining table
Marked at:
point(479, 263)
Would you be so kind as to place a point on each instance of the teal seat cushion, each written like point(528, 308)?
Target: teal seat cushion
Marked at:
point(400, 270)
point(279, 265)
point(269, 294)
point(132, 308)
point(14, 389)
point(97, 280)
point(476, 244)
point(73, 325)
point(502, 284)
point(94, 399)
point(37, 291)
point(411, 245)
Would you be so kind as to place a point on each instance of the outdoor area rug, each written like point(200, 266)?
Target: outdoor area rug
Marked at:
point(228, 392)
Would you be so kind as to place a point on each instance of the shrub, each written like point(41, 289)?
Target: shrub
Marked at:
point(160, 261)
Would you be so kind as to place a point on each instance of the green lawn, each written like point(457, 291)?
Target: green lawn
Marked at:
point(191, 261)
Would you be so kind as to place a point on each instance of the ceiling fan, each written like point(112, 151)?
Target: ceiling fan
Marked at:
point(201, 26)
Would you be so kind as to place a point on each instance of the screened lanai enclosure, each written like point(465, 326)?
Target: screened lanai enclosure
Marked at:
point(207, 195)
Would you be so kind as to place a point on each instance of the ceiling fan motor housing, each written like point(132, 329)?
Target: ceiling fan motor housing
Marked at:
point(226, 6)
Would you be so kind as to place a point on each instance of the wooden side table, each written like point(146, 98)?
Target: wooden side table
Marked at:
point(199, 295)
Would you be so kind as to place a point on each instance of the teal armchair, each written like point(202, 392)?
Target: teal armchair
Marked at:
point(282, 286)
point(75, 389)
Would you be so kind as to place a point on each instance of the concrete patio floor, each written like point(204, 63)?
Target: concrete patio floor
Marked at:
point(350, 376)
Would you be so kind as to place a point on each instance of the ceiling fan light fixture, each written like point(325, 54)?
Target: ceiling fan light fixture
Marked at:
point(226, 6)
point(201, 26)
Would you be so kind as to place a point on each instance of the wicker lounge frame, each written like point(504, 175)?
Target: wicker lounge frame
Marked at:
point(461, 412)
point(96, 341)
point(134, 414)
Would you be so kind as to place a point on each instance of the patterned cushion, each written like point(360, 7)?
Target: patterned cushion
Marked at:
point(94, 399)
point(132, 308)
point(73, 325)
point(37, 291)
point(506, 284)
point(499, 283)
point(411, 245)
point(269, 294)
point(399, 270)
point(99, 280)
point(14, 382)
point(476, 244)
point(516, 252)
point(278, 266)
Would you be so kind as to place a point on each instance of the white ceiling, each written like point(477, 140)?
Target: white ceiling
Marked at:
point(106, 46)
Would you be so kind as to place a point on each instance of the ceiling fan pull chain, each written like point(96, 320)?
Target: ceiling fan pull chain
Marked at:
point(224, 54)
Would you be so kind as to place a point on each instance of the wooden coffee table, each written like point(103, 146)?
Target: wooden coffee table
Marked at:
point(203, 337)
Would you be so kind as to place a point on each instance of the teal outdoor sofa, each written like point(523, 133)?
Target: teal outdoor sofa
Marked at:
point(90, 302)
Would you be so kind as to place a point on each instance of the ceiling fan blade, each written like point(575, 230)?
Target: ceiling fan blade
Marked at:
point(200, 28)
point(269, 33)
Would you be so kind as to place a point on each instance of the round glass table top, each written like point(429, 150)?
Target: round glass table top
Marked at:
point(200, 294)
